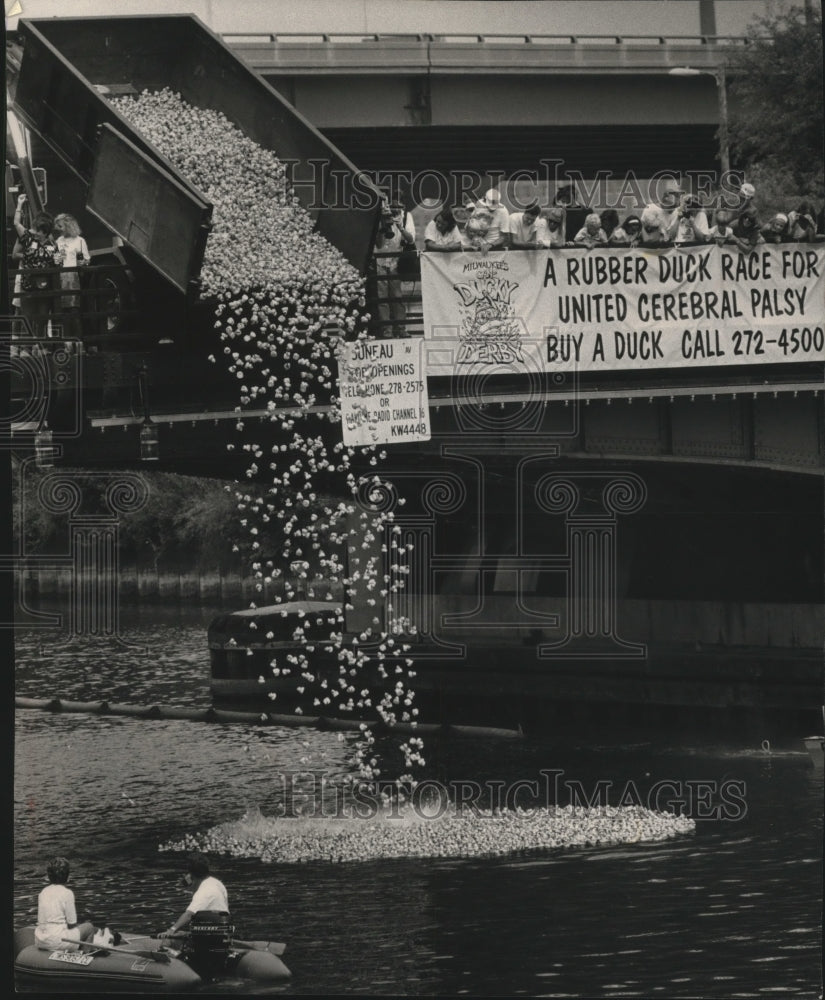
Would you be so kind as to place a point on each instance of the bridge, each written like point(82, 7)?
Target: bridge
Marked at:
point(96, 393)
point(421, 102)
point(718, 463)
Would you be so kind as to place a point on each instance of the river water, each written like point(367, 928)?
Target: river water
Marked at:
point(733, 910)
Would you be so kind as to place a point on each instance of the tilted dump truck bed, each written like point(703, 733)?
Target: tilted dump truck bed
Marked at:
point(68, 66)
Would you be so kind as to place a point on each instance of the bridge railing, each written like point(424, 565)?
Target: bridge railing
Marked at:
point(333, 38)
point(101, 307)
point(287, 54)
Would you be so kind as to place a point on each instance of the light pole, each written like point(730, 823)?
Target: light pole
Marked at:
point(718, 75)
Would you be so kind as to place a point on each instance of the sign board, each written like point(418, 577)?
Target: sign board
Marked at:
point(383, 392)
point(618, 309)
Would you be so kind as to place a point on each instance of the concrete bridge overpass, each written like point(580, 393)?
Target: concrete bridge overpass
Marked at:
point(731, 459)
point(503, 102)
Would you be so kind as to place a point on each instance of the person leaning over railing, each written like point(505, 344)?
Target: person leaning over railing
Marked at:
point(746, 230)
point(654, 227)
point(801, 224)
point(474, 236)
point(528, 231)
point(555, 225)
point(442, 233)
point(776, 230)
point(627, 234)
point(610, 222)
point(38, 254)
point(488, 228)
point(591, 233)
point(721, 233)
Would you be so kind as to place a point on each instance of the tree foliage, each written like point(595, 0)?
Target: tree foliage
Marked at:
point(186, 521)
point(776, 102)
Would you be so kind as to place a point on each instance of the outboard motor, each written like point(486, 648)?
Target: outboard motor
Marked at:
point(210, 936)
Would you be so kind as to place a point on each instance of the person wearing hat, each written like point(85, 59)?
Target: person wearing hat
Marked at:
point(528, 231)
point(777, 230)
point(57, 925)
point(627, 233)
point(209, 894)
point(498, 231)
point(746, 195)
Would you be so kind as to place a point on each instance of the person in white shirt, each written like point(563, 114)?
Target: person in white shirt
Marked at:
point(210, 893)
point(528, 230)
point(498, 232)
point(442, 233)
point(721, 233)
point(395, 232)
point(689, 222)
point(555, 225)
point(671, 196)
point(57, 925)
point(591, 233)
point(474, 236)
point(654, 226)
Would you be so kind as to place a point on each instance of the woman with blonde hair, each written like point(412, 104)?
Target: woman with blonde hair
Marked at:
point(72, 252)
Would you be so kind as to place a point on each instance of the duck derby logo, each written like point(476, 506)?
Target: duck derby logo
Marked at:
point(489, 333)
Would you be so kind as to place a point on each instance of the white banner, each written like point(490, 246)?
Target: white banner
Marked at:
point(614, 309)
point(383, 392)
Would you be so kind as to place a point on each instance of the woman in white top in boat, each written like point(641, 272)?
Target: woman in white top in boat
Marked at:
point(209, 894)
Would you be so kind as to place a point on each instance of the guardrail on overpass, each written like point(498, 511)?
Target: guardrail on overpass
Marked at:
point(329, 54)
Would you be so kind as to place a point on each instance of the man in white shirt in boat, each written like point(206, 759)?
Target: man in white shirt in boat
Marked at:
point(57, 925)
point(209, 894)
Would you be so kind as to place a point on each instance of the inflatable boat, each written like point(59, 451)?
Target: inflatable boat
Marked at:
point(142, 964)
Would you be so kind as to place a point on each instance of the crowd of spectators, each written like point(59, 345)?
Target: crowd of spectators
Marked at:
point(484, 225)
point(679, 219)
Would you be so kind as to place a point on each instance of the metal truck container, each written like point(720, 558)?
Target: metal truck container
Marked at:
point(68, 67)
